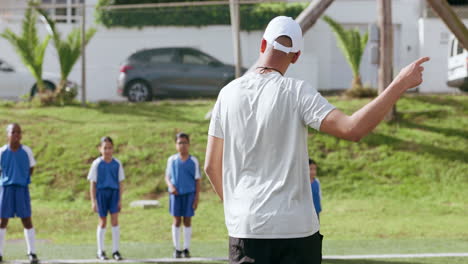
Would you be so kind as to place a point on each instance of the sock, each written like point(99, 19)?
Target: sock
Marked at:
point(2, 239)
point(187, 236)
point(175, 236)
point(100, 234)
point(30, 236)
point(115, 238)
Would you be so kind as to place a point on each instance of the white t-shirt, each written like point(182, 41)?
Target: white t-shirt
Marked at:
point(263, 120)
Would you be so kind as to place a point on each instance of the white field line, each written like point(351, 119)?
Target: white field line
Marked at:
point(204, 260)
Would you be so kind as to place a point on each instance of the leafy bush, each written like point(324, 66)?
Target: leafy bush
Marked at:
point(253, 16)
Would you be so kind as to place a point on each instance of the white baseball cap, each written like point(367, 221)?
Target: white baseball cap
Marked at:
point(284, 26)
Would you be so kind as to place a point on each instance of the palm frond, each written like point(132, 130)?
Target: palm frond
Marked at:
point(351, 43)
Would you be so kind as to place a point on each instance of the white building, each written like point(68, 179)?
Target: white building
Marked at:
point(322, 63)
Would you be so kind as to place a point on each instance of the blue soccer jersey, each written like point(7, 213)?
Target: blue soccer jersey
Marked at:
point(183, 174)
point(15, 165)
point(317, 195)
point(106, 175)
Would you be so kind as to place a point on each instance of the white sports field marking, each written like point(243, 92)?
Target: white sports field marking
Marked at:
point(208, 260)
point(395, 256)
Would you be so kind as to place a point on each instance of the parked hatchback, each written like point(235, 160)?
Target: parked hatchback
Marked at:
point(172, 72)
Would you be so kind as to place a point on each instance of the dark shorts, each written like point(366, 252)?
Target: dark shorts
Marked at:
point(306, 250)
point(182, 204)
point(107, 201)
point(15, 201)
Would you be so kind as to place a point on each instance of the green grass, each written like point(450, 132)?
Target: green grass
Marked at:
point(402, 189)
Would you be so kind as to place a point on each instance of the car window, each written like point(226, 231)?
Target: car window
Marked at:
point(459, 48)
point(161, 58)
point(153, 56)
point(189, 57)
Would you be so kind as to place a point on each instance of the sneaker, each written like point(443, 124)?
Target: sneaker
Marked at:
point(186, 253)
point(102, 256)
point(177, 254)
point(116, 255)
point(33, 258)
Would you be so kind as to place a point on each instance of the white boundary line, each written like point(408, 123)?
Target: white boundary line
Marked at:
point(198, 260)
point(395, 256)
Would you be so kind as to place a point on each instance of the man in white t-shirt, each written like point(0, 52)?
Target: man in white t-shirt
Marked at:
point(257, 158)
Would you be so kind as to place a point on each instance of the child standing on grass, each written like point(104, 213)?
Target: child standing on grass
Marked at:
point(106, 176)
point(17, 165)
point(315, 184)
point(183, 181)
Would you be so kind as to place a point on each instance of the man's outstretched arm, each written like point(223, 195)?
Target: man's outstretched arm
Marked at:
point(363, 121)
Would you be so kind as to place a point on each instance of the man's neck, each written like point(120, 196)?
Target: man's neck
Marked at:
point(273, 63)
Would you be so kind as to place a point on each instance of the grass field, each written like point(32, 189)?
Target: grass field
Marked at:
point(402, 189)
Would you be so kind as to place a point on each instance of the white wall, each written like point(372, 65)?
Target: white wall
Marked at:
point(434, 40)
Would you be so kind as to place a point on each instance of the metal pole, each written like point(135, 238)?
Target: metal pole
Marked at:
point(83, 55)
point(235, 27)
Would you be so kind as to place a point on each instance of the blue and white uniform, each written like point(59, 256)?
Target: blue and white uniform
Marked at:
point(107, 176)
point(316, 195)
point(15, 177)
point(183, 175)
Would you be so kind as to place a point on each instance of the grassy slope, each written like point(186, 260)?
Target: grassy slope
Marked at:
point(407, 180)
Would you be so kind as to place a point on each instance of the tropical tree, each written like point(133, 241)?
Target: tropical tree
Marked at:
point(29, 47)
point(68, 49)
point(352, 45)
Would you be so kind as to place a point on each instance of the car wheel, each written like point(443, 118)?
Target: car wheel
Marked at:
point(48, 85)
point(139, 91)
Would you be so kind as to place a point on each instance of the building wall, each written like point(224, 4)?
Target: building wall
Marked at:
point(434, 42)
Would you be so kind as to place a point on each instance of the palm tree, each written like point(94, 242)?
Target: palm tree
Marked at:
point(352, 44)
point(68, 50)
point(29, 47)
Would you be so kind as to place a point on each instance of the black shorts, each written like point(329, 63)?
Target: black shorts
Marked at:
point(305, 250)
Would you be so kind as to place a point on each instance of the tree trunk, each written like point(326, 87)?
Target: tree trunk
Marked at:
point(386, 50)
point(356, 82)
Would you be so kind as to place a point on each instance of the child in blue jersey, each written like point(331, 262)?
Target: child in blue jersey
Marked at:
point(106, 176)
point(183, 181)
point(17, 165)
point(315, 184)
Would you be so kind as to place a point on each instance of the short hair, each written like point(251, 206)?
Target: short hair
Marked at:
point(10, 127)
point(311, 161)
point(182, 135)
point(106, 139)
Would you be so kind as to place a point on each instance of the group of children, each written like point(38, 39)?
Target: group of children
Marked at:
point(105, 176)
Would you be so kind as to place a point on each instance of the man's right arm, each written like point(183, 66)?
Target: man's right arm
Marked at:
point(363, 121)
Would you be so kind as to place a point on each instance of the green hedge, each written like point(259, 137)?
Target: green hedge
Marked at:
point(253, 16)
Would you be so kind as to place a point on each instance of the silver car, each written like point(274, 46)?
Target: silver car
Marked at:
point(172, 72)
point(18, 83)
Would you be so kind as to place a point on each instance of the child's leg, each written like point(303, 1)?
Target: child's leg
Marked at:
point(29, 234)
point(187, 232)
point(176, 231)
point(3, 226)
point(100, 234)
point(115, 232)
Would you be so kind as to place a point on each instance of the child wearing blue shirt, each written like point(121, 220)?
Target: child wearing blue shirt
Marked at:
point(106, 176)
point(183, 180)
point(17, 165)
point(315, 185)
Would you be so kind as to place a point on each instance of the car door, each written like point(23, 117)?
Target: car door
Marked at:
point(10, 83)
point(202, 75)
